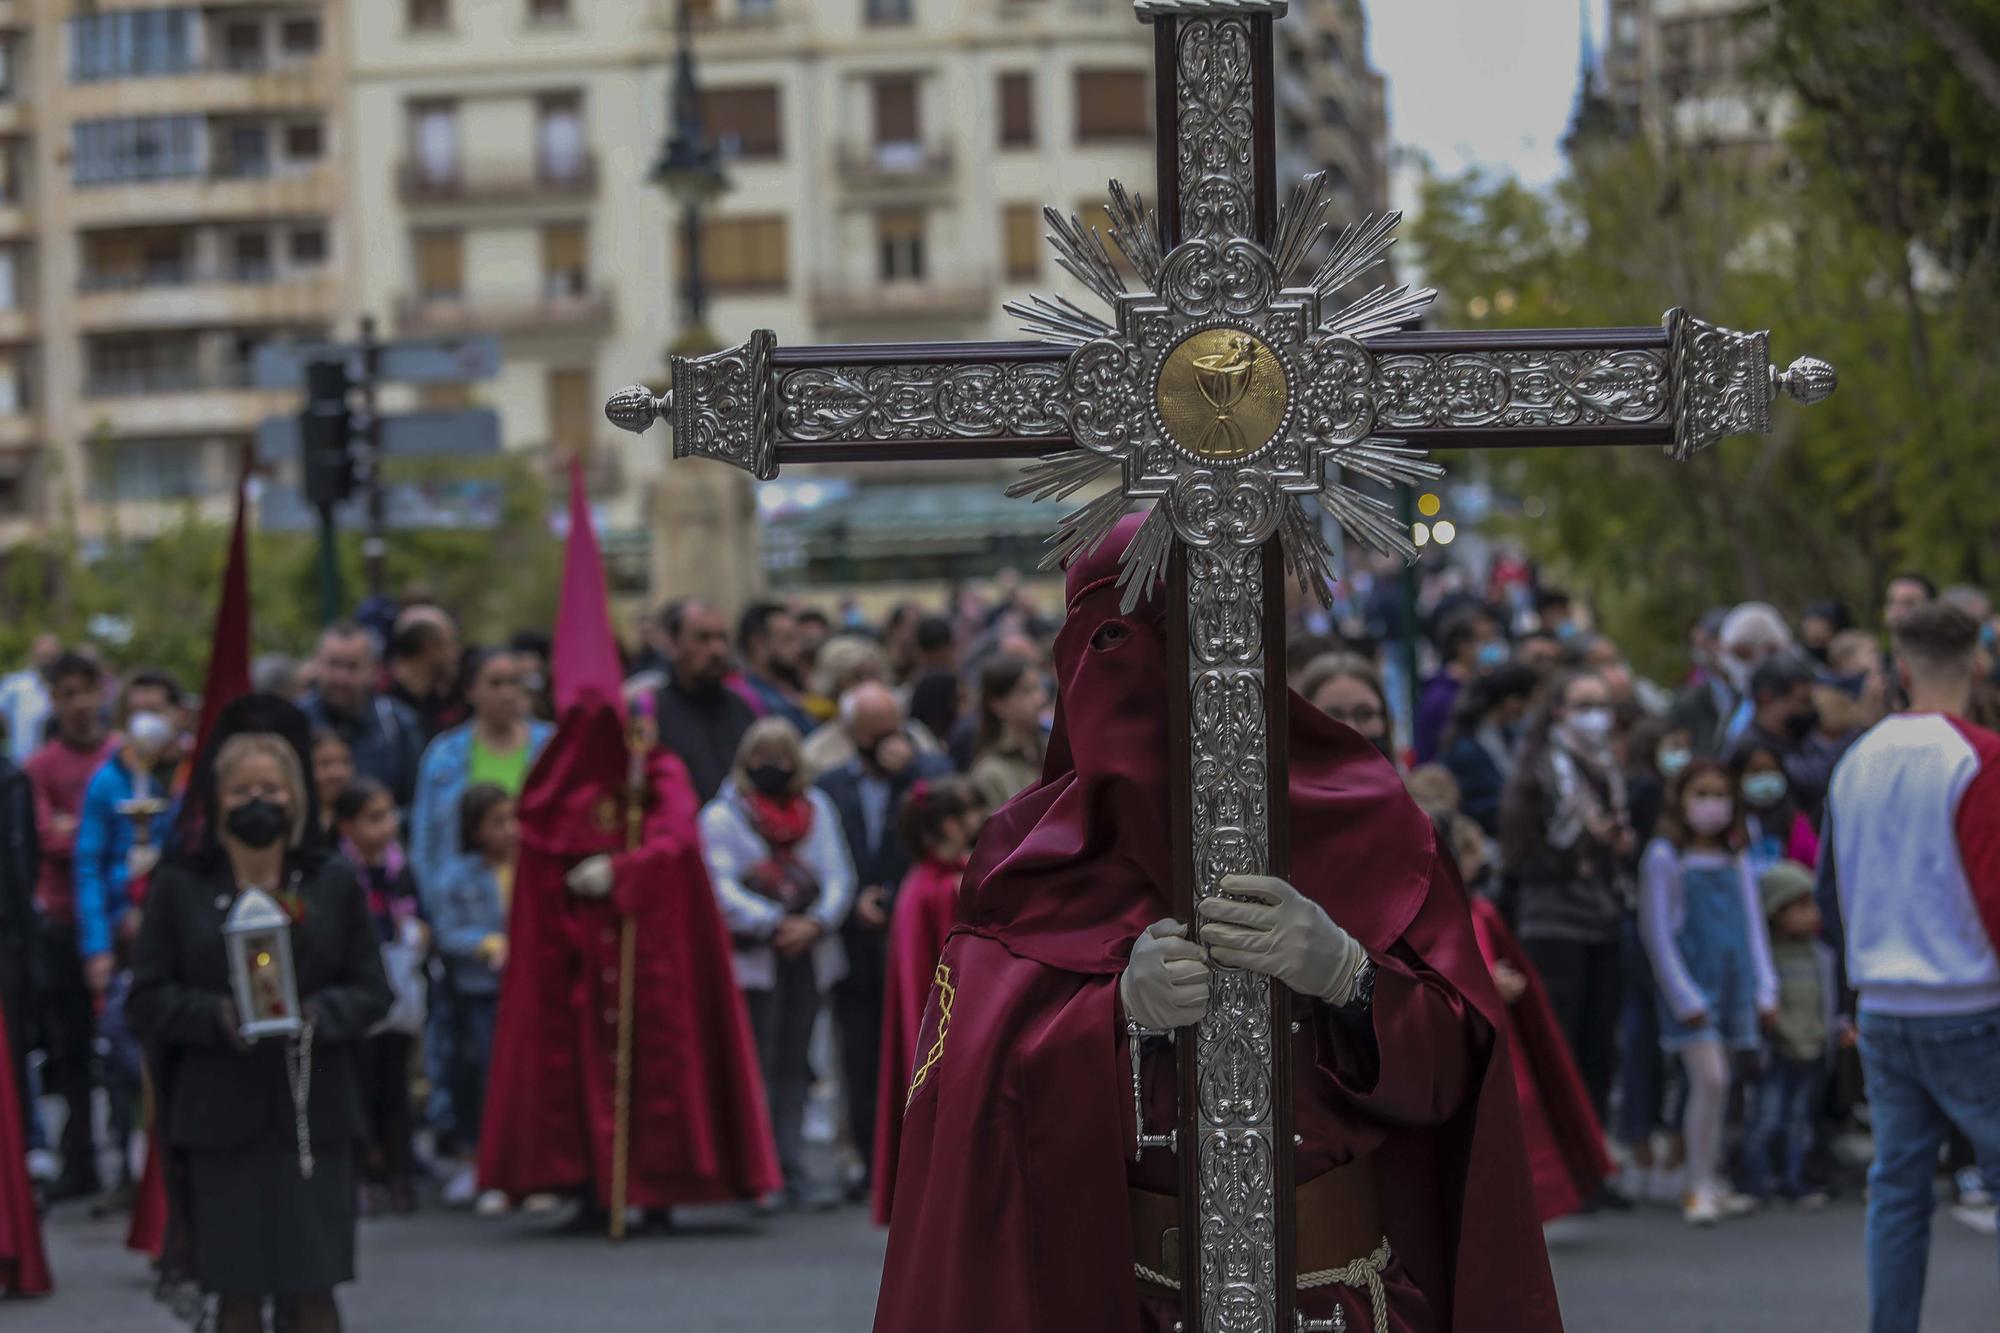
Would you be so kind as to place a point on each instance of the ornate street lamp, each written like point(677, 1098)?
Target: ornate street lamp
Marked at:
point(690, 170)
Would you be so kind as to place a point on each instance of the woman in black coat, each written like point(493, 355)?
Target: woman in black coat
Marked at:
point(264, 1187)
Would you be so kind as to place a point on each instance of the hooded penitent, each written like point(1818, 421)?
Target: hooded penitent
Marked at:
point(1011, 1207)
point(699, 1129)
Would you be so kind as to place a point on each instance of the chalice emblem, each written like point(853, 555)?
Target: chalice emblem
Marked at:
point(1221, 394)
point(1224, 379)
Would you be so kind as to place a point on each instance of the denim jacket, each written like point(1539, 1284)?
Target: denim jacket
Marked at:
point(441, 782)
point(464, 907)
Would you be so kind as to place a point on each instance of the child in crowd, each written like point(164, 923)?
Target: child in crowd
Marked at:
point(1781, 1128)
point(469, 911)
point(368, 827)
point(1702, 923)
point(940, 818)
point(1775, 828)
point(332, 771)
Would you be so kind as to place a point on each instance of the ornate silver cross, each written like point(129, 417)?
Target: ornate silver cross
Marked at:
point(1225, 391)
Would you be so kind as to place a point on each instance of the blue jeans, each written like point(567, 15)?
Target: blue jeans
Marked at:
point(1781, 1126)
point(1925, 1075)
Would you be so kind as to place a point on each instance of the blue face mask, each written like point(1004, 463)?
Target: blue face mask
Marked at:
point(1492, 654)
point(1764, 790)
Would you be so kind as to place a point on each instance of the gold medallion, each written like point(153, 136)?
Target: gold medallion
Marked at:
point(1222, 394)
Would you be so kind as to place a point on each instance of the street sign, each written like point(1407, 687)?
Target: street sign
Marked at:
point(410, 361)
point(472, 432)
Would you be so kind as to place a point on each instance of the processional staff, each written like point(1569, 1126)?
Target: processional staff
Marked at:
point(1237, 381)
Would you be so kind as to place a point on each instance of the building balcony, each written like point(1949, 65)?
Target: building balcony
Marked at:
point(169, 402)
point(242, 192)
point(507, 182)
point(867, 302)
point(900, 170)
point(187, 297)
point(19, 430)
point(586, 312)
point(219, 86)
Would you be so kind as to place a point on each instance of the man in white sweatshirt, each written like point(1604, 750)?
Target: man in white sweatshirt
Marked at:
point(1914, 815)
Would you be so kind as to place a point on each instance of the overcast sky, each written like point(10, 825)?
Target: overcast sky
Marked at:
point(1478, 81)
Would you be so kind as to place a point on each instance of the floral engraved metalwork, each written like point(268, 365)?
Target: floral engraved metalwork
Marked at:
point(721, 406)
point(1722, 382)
point(1229, 745)
point(1215, 108)
point(1590, 387)
point(969, 400)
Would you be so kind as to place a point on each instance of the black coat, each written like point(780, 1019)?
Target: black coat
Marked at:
point(883, 861)
point(222, 1097)
point(703, 728)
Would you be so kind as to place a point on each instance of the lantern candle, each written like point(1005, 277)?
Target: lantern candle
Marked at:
point(259, 939)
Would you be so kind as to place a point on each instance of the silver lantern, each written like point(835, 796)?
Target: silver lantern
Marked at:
point(258, 935)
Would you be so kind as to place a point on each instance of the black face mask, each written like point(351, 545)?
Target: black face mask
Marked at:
point(1800, 725)
point(259, 824)
point(772, 780)
point(872, 754)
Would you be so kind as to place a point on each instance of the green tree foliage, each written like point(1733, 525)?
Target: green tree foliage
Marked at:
point(152, 600)
point(1898, 469)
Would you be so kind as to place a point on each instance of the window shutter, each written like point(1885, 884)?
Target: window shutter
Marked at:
point(896, 110)
point(1111, 105)
point(1017, 110)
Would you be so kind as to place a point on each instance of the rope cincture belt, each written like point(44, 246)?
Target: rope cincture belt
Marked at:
point(1361, 1275)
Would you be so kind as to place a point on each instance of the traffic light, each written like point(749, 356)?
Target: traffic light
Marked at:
point(326, 433)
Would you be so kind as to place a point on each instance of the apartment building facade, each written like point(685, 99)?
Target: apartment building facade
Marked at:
point(1684, 71)
point(171, 196)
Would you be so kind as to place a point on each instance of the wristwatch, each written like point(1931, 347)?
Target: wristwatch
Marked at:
point(1363, 998)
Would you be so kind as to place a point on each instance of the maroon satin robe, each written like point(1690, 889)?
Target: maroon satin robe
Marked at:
point(1566, 1153)
point(926, 906)
point(24, 1268)
point(700, 1131)
point(1010, 1208)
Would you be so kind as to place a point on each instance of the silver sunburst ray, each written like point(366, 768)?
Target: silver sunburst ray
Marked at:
point(1058, 320)
point(1080, 249)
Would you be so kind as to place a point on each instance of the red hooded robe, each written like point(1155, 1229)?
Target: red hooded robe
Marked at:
point(1010, 1206)
point(700, 1132)
point(926, 906)
point(1566, 1153)
point(24, 1271)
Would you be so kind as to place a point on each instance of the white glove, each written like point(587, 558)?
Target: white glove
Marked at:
point(1276, 930)
point(1165, 986)
point(592, 878)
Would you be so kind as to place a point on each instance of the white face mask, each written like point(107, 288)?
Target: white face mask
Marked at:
point(1592, 725)
point(149, 732)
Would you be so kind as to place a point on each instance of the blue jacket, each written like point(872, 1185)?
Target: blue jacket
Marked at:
point(103, 842)
point(441, 782)
point(464, 907)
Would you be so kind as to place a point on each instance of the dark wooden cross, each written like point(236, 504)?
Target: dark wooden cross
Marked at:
point(1233, 382)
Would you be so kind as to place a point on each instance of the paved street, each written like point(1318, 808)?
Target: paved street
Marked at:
point(1642, 1274)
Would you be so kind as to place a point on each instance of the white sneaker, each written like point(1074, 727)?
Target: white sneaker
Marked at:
point(461, 1189)
point(1971, 1187)
point(1982, 1220)
point(1701, 1208)
point(541, 1205)
point(42, 1165)
point(1734, 1205)
point(492, 1203)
